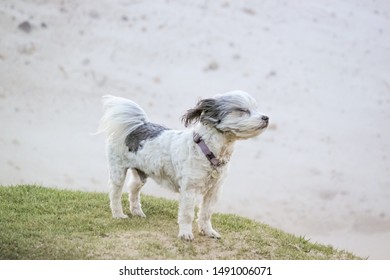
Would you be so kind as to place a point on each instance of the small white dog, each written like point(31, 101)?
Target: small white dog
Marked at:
point(190, 162)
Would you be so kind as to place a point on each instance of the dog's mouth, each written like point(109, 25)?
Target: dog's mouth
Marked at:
point(263, 125)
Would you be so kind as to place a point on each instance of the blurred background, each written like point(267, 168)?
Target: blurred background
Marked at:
point(319, 69)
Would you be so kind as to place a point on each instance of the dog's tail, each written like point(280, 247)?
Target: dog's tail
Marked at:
point(121, 117)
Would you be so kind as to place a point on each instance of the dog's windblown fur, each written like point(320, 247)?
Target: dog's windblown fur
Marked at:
point(172, 158)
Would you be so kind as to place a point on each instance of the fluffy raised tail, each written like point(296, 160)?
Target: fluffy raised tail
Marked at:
point(121, 117)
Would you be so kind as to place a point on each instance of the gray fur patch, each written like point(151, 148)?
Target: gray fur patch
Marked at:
point(144, 132)
point(142, 175)
point(212, 110)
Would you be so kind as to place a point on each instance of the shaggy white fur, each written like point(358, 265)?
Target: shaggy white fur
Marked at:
point(172, 158)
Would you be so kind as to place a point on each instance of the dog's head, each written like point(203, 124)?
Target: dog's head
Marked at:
point(233, 112)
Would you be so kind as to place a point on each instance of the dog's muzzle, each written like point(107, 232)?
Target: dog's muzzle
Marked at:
point(265, 121)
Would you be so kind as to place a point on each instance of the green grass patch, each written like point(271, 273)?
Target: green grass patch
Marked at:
point(45, 223)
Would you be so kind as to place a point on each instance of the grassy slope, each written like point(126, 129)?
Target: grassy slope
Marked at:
point(43, 223)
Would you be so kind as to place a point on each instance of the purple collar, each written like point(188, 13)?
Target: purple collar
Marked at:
point(206, 151)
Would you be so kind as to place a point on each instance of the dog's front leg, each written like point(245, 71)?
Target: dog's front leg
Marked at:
point(206, 210)
point(186, 214)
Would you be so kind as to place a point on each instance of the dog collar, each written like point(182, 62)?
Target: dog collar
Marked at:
point(206, 151)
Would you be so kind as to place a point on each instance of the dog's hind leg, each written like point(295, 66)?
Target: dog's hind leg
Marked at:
point(137, 182)
point(116, 181)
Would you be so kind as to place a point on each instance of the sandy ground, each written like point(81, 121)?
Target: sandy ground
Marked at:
point(319, 69)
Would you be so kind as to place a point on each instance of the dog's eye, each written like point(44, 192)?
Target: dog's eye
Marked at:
point(243, 112)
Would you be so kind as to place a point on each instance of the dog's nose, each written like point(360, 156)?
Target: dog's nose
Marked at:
point(265, 118)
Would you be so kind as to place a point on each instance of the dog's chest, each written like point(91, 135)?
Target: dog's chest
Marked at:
point(213, 178)
point(215, 175)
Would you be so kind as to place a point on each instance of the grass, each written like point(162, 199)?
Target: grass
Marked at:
point(45, 223)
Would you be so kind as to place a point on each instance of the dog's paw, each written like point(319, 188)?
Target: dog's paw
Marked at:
point(210, 233)
point(187, 236)
point(214, 234)
point(119, 216)
point(138, 212)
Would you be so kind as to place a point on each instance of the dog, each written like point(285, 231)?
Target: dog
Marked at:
point(191, 162)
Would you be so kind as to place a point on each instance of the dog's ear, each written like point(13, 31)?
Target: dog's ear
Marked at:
point(204, 112)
